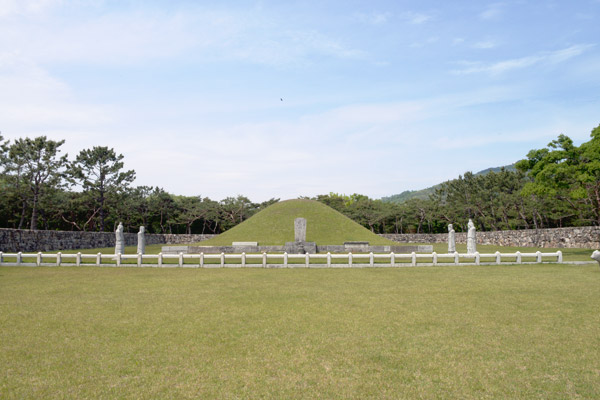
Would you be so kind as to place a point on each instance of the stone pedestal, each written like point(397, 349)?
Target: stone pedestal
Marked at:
point(300, 247)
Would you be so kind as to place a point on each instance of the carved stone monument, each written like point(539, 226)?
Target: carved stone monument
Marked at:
point(596, 256)
point(471, 238)
point(300, 245)
point(300, 230)
point(451, 239)
point(141, 247)
point(119, 239)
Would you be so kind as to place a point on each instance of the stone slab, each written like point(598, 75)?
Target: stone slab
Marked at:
point(356, 246)
point(174, 249)
point(300, 229)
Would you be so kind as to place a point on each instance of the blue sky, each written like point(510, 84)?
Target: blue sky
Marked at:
point(378, 97)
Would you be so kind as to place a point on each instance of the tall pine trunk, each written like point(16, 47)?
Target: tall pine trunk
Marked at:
point(34, 212)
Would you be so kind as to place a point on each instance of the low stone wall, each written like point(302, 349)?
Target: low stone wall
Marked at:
point(404, 249)
point(401, 249)
point(580, 237)
point(14, 240)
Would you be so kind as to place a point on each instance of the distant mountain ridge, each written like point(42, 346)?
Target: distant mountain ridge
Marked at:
point(424, 193)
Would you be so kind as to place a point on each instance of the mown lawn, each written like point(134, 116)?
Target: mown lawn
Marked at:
point(434, 332)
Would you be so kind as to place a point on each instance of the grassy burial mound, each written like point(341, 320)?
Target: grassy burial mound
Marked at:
point(275, 226)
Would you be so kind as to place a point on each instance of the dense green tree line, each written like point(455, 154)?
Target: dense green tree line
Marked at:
point(556, 186)
point(42, 189)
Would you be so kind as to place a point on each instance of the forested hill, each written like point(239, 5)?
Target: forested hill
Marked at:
point(425, 193)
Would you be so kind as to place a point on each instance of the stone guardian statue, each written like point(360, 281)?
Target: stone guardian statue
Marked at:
point(119, 240)
point(471, 239)
point(451, 239)
point(596, 256)
point(141, 247)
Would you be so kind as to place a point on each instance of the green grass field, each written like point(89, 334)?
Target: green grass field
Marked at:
point(437, 332)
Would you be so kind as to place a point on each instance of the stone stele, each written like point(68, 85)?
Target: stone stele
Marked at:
point(300, 230)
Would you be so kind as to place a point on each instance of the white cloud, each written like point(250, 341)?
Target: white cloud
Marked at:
point(374, 18)
point(364, 148)
point(219, 144)
point(34, 100)
point(202, 35)
point(541, 134)
point(500, 67)
point(493, 11)
point(379, 18)
point(481, 140)
point(485, 44)
point(415, 18)
point(312, 41)
point(24, 7)
point(425, 42)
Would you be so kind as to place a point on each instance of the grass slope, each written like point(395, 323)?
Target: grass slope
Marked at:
point(275, 226)
point(506, 332)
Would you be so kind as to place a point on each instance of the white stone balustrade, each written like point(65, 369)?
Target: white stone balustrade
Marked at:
point(276, 260)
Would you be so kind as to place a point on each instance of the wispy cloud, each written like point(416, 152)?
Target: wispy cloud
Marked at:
point(374, 18)
point(500, 67)
point(209, 77)
point(321, 145)
point(425, 42)
point(492, 11)
point(379, 18)
point(34, 100)
point(203, 35)
point(415, 18)
point(306, 42)
point(23, 7)
point(485, 44)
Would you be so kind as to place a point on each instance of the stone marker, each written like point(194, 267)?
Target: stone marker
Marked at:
point(471, 238)
point(596, 256)
point(300, 230)
point(451, 240)
point(356, 246)
point(141, 248)
point(119, 239)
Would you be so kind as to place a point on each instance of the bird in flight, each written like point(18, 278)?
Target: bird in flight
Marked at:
point(281, 99)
